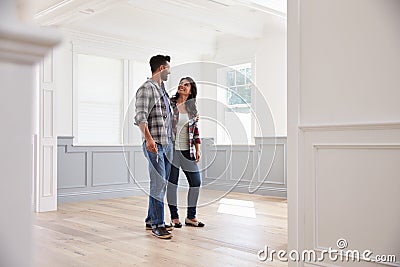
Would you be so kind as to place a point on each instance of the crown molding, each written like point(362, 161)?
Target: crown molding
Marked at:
point(68, 11)
point(52, 8)
point(88, 41)
point(83, 41)
point(25, 44)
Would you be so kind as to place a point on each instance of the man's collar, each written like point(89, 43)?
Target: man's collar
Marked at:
point(154, 82)
point(161, 88)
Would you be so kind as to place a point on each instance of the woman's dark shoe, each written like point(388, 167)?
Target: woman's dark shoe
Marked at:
point(189, 222)
point(176, 225)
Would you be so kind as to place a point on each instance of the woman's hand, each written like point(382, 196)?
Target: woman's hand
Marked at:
point(197, 155)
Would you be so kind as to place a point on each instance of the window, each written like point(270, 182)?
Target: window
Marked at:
point(234, 113)
point(239, 85)
point(99, 100)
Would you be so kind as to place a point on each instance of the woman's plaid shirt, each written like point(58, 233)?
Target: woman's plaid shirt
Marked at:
point(194, 137)
point(151, 109)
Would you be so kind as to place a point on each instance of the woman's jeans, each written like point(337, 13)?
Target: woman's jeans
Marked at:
point(189, 166)
point(159, 169)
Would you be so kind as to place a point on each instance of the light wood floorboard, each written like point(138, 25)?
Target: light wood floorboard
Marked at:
point(111, 233)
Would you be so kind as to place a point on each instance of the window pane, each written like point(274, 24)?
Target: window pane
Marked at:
point(245, 93)
point(241, 89)
point(230, 78)
point(248, 75)
point(239, 95)
point(234, 97)
point(240, 77)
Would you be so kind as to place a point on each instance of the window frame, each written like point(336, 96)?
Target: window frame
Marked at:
point(246, 83)
point(221, 116)
point(75, 99)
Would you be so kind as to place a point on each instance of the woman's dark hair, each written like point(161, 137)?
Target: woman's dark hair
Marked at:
point(190, 103)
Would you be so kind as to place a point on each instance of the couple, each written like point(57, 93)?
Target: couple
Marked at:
point(171, 141)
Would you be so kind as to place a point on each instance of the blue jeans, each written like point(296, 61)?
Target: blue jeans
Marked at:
point(159, 169)
point(183, 160)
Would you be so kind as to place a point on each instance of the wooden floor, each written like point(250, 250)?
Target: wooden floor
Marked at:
point(112, 233)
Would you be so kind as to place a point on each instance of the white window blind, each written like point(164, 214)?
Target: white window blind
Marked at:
point(100, 90)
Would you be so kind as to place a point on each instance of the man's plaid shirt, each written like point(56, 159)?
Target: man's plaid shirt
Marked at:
point(151, 109)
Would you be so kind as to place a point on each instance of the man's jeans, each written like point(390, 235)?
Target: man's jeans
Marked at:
point(159, 169)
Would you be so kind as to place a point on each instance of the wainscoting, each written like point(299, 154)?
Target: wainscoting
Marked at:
point(350, 184)
point(99, 172)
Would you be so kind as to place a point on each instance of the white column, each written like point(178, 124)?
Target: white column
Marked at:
point(344, 131)
point(21, 46)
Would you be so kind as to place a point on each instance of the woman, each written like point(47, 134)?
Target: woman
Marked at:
point(186, 151)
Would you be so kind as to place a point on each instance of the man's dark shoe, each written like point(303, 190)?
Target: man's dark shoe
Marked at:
point(169, 227)
point(161, 232)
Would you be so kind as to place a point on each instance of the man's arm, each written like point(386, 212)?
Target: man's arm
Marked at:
point(142, 112)
point(150, 144)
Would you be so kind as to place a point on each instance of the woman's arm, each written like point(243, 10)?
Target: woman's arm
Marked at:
point(197, 146)
point(196, 139)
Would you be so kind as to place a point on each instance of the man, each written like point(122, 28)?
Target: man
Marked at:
point(153, 116)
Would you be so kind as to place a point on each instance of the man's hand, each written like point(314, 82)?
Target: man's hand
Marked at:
point(151, 145)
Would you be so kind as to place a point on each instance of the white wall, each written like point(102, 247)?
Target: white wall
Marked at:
point(271, 73)
point(107, 47)
point(63, 82)
point(351, 72)
point(344, 126)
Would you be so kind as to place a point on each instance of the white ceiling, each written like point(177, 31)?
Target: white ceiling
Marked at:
point(185, 24)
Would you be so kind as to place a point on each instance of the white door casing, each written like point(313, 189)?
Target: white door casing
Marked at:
point(46, 182)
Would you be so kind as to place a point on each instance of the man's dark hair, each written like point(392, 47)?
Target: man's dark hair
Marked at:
point(157, 61)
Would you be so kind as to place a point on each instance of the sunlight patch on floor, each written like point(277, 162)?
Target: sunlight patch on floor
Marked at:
point(237, 207)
